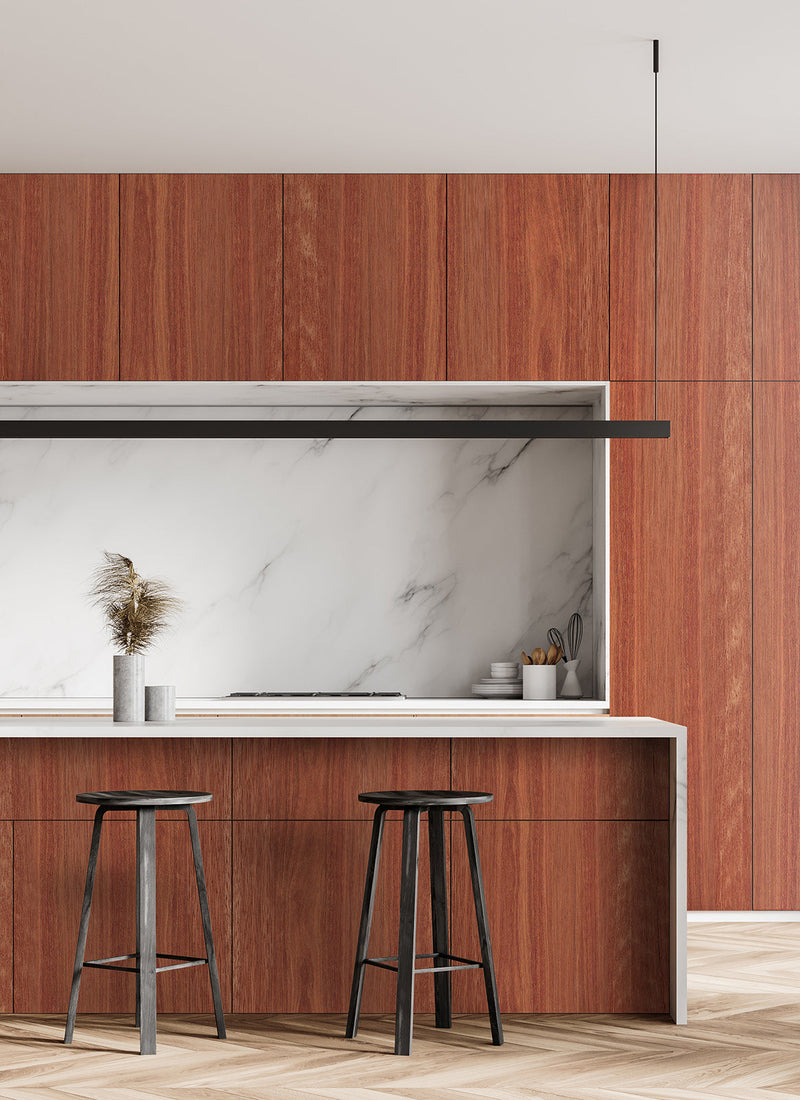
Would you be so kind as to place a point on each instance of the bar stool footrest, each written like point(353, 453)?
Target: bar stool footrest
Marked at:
point(109, 963)
point(383, 962)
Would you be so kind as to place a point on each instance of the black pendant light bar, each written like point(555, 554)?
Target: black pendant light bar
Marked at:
point(335, 429)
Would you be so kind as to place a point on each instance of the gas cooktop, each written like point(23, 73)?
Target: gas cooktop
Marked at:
point(316, 695)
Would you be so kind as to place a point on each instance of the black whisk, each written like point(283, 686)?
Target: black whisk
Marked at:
point(574, 635)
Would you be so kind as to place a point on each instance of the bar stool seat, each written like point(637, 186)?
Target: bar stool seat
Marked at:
point(444, 799)
point(131, 800)
point(413, 804)
point(145, 803)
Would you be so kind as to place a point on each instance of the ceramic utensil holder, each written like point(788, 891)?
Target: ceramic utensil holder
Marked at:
point(538, 681)
point(159, 703)
point(571, 688)
point(129, 687)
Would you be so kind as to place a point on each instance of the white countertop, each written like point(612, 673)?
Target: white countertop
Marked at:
point(343, 724)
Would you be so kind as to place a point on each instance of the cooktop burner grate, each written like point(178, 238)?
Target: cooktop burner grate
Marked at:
point(316, 695)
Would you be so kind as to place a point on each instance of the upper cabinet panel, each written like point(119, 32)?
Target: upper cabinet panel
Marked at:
point(59, 292)
point(704, 277)
point(201, 277)
point(364, 277)
point(527, 291)
point(776, 278)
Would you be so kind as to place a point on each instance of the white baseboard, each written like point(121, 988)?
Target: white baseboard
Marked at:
point(748, 916)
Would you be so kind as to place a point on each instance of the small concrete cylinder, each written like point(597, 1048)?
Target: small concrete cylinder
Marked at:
point(129, 687)
point(159, 703)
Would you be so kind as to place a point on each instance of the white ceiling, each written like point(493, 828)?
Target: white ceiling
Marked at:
point(397, 85)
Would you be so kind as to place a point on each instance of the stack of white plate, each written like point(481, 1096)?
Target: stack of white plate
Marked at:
point(504, 683)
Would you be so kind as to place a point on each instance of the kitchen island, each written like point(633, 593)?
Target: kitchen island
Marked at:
point(584, 848)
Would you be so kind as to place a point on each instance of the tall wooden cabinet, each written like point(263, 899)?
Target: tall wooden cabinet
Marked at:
point(527, 277)
point(364, 277)
point(200, 273)
point(776, 278)
point(704, 277)
point(681, 608)
point(59, 290)
point(776, 541)
point(776, 648)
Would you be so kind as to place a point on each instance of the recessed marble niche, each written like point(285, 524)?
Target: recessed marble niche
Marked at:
point(311, 564)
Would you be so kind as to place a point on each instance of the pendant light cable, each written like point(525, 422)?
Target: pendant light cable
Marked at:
point(655, 225)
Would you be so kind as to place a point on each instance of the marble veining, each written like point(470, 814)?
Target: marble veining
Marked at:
point(321, 564)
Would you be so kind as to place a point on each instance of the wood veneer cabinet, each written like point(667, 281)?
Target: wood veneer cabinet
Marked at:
point(776, 650)
point(527, 277)
point(578, 915)
point(47, 906)
point(364, 277)
point(681, 608)
point(341, 767)
point(59, 277)
point(704, 277)
point(6, 916)
point(200, 277)
point(44, 774)
point(776, 277)
point(309, 910)
point(543, 779)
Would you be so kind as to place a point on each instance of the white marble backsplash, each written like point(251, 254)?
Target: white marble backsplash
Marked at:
point(304, 564)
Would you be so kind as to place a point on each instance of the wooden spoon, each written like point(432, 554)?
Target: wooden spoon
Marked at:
point(553, 655)
point(538, 656)
point(526, 659)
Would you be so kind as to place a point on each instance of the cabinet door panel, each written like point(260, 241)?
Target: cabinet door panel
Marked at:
point(535, 779)
point(47, 773)
point(704, 277)
point(271, 775)
point(298, 887)
point(49, 876)
point(776, 277)
point(7, 916)
point(776, 653)
point(59, 290)
point(364, 277)
point(201, 277)
point(578, 914)
point(681, 608)
point(527, 277)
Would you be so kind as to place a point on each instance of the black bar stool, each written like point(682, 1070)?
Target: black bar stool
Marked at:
point(414, 803)
point(145, 803)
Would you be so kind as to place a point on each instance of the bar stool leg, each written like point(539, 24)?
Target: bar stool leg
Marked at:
point(438, 859)
point(137, 1019)
point(483, 925)
point(83, 927)
point(404, 1013)
point(146, 926)
point(205, 915)
point(367, 907)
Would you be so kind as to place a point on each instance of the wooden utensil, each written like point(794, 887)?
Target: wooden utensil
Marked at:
point(526, 660)
point(538, 656)
point(553, 655)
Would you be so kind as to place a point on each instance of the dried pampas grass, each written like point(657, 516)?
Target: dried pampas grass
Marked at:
point(136, 611)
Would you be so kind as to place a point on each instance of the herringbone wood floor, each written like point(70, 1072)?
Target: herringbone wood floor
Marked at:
point(742, 1042)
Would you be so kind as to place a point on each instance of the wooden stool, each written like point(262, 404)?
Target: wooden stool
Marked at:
point(414, 803)
point(145, 803)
